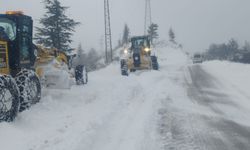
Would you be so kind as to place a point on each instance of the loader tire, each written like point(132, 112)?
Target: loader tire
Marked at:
point(124, 72)
point(9, 99)
point(81, 75)
point(154, 62)
point(29, 87)
point(124, 67)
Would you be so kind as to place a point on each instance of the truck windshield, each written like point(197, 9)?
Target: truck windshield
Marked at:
point(140, 42)
point(8, 27)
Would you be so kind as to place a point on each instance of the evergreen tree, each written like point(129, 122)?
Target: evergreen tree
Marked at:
point(171, 35)
point(223, 51)
point(57, 28)
point(233, 45)
point(125, 37)
point(246, 46)
point(232, 48)
point(152, 32)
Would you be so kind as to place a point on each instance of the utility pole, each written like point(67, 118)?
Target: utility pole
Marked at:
point(148, 20)
point(108, 40)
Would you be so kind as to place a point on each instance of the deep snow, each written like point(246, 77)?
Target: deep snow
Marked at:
point(147, 110)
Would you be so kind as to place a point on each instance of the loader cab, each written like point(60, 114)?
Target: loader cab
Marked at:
point(140, 43)
point(17, 33)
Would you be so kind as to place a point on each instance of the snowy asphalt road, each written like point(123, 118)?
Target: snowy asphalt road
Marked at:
point(220, 133)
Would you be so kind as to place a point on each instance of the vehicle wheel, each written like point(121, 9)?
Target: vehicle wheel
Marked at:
point(29, 87)
point(9, 99)
point(124, 67)
point(124, 72)
point(81, 76)
point(154, 62)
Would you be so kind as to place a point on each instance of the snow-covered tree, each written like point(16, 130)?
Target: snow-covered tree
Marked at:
point(232, 48)
point(125, 37)
point(56, 28)
point(171, 35)
point(246, 46)
point(223, 51)
point(153, 32)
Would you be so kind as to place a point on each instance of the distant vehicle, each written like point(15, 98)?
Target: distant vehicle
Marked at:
point(197, 58)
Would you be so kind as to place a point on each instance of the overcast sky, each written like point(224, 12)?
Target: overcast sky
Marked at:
point(197, 23)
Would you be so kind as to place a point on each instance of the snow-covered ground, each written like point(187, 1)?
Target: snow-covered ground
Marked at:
point(182, 106)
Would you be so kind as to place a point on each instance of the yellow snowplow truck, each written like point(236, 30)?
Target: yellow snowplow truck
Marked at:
point(19, 84)
point(138, 56)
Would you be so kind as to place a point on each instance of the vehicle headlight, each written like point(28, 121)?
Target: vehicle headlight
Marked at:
point(147, 49)
point(125, 51)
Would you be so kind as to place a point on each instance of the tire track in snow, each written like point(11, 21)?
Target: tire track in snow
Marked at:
point(173, 128)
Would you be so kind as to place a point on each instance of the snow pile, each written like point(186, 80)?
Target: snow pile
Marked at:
point(56, 75)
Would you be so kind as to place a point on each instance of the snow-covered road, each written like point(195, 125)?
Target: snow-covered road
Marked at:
point(226, 122)
point(180, 107)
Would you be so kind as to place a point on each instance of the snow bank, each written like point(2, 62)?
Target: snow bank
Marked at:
point(233, 79)
point(236, 74)
point(229, 72)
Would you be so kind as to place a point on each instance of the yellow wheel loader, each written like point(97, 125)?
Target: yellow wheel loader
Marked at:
point(19, 84)
point(24, 67)
point(138, 56)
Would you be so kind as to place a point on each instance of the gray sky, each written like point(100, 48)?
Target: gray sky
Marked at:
point(197, 23)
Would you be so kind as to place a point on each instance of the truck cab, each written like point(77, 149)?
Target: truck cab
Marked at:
point(16, 42)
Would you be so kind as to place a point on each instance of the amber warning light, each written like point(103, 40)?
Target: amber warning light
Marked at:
point(14, 12)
